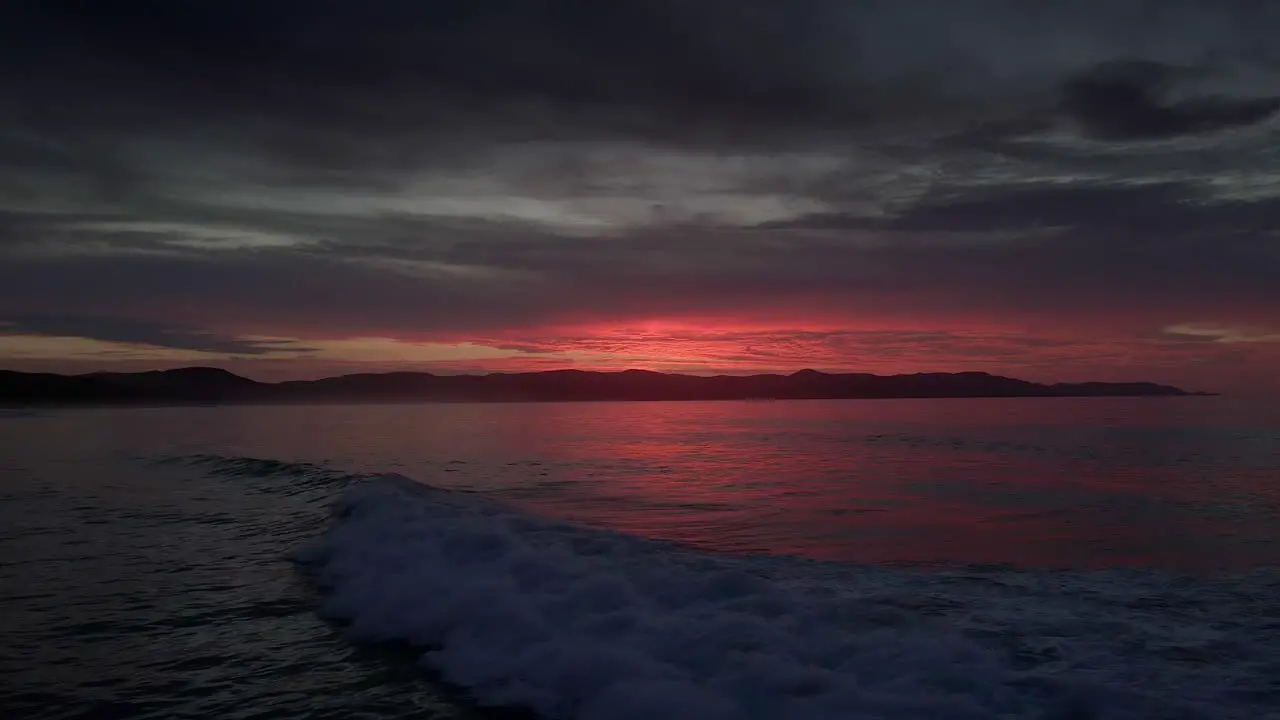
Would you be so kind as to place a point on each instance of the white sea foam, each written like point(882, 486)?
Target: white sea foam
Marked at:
point(580, 623)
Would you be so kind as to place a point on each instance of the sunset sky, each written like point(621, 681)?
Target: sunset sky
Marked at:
point(293, 189)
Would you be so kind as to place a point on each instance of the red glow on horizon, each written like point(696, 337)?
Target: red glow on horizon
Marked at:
point(749, 343)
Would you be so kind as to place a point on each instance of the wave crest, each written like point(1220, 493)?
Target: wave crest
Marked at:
point(266, 474)
point(575, 622)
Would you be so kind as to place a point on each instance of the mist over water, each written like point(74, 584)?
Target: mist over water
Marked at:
point(959, 558)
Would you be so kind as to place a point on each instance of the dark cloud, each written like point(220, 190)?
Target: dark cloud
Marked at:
point(362, 94)
point(566, 50)
point(455, 169)
point(113, 329)
point(734, 63)
point(1160, 207)
point(1136, 100)
point(492, 281)
point(1130, 100)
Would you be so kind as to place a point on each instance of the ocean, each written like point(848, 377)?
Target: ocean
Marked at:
point(1026, 558)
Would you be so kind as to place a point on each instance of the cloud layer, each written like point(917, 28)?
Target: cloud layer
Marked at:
point(709, 186)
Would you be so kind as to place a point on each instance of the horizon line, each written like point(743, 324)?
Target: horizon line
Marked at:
point(591, 372)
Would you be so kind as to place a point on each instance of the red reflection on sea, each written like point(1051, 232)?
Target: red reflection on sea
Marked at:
point(1086, 484)
point(1184, 483)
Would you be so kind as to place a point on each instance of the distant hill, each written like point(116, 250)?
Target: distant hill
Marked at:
point(202, 385)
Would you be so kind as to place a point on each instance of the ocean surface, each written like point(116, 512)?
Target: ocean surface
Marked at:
point(1027, 558)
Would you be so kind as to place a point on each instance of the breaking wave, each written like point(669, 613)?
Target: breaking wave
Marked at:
point(572, 622)
point(263, 474)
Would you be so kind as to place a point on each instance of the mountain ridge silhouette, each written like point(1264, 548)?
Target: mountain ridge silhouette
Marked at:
point(211, 385)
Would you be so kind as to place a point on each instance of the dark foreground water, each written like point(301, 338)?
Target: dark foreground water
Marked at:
point(959, 559)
